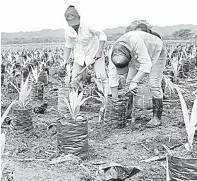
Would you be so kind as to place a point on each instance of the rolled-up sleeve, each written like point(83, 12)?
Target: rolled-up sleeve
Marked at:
point(143, 57)
point(100, 34)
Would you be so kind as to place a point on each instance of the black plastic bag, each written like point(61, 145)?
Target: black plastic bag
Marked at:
point(180, 169)
point(116, 172)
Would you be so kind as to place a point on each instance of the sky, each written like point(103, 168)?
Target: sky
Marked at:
point(35, 15)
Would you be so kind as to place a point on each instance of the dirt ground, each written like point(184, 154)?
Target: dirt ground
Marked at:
point(29, 154)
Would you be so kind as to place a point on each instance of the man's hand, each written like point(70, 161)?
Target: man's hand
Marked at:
point(98, 55)
point(132, 88)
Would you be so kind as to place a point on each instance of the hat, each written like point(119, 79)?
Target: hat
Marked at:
point(120, 55)
point(72, 16)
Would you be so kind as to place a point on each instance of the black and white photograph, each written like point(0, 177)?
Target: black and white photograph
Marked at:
point(98, 90)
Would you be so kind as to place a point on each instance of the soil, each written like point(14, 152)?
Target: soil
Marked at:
point(29, 154)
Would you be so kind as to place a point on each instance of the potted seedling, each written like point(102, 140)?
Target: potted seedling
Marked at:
point(72, 128)
point(38, 87)
point(22, 111)
point(184, 167)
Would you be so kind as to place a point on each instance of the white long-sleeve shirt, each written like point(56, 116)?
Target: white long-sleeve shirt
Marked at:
point(85, 43)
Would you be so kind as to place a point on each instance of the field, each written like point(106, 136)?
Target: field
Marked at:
point(28, 155)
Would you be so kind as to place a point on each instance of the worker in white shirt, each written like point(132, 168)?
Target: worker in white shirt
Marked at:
point(87, 44)
point(137, 54)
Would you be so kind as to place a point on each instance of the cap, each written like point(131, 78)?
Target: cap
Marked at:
point(120, 56)
point(72, 16)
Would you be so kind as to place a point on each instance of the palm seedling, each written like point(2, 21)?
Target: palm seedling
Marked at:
point(175, 66)
point(169, 85)
point(24, 92)
point(35, 73)
point(103, 97)
point(74, 102)
point(62, 62)
point(11, 72)
point(190, 122)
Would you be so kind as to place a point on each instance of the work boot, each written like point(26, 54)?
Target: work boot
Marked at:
point(157, 112)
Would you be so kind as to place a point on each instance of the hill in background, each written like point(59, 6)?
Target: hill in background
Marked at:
point(48, 35)
point(165, 31)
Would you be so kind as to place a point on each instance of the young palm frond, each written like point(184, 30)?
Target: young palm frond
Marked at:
point(35, 73)
point(6, 112)
point(175, 63)
point(101, 87)
point(194, 92)
point(24, 92)
point(3, 134)
point(190, 123)
point(74, 103)
point(171, 86)
point(193, 53)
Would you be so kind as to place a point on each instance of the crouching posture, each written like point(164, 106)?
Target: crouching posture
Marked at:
point(87, 44)
point(137, 54)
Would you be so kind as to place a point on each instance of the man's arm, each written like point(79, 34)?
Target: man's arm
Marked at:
point(67, 52)
point(100, 50)
point(113, 77)
point(69, 44)
point(139, 76)
point(102, 40)
point(143, 58)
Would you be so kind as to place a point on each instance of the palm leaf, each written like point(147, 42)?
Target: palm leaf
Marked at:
point(184, 111)
point(193, 120)
point(79, 98)
point(68, 105)
point(99, 85)
point(24, 91)
point(189, 128)
point(35, 73)
point(6, 112)
point(2, 143)
point(71, 99)
point(84, 100)
point(76, 112)
point(101, 97)
point(174, 62)
point(15, 87)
